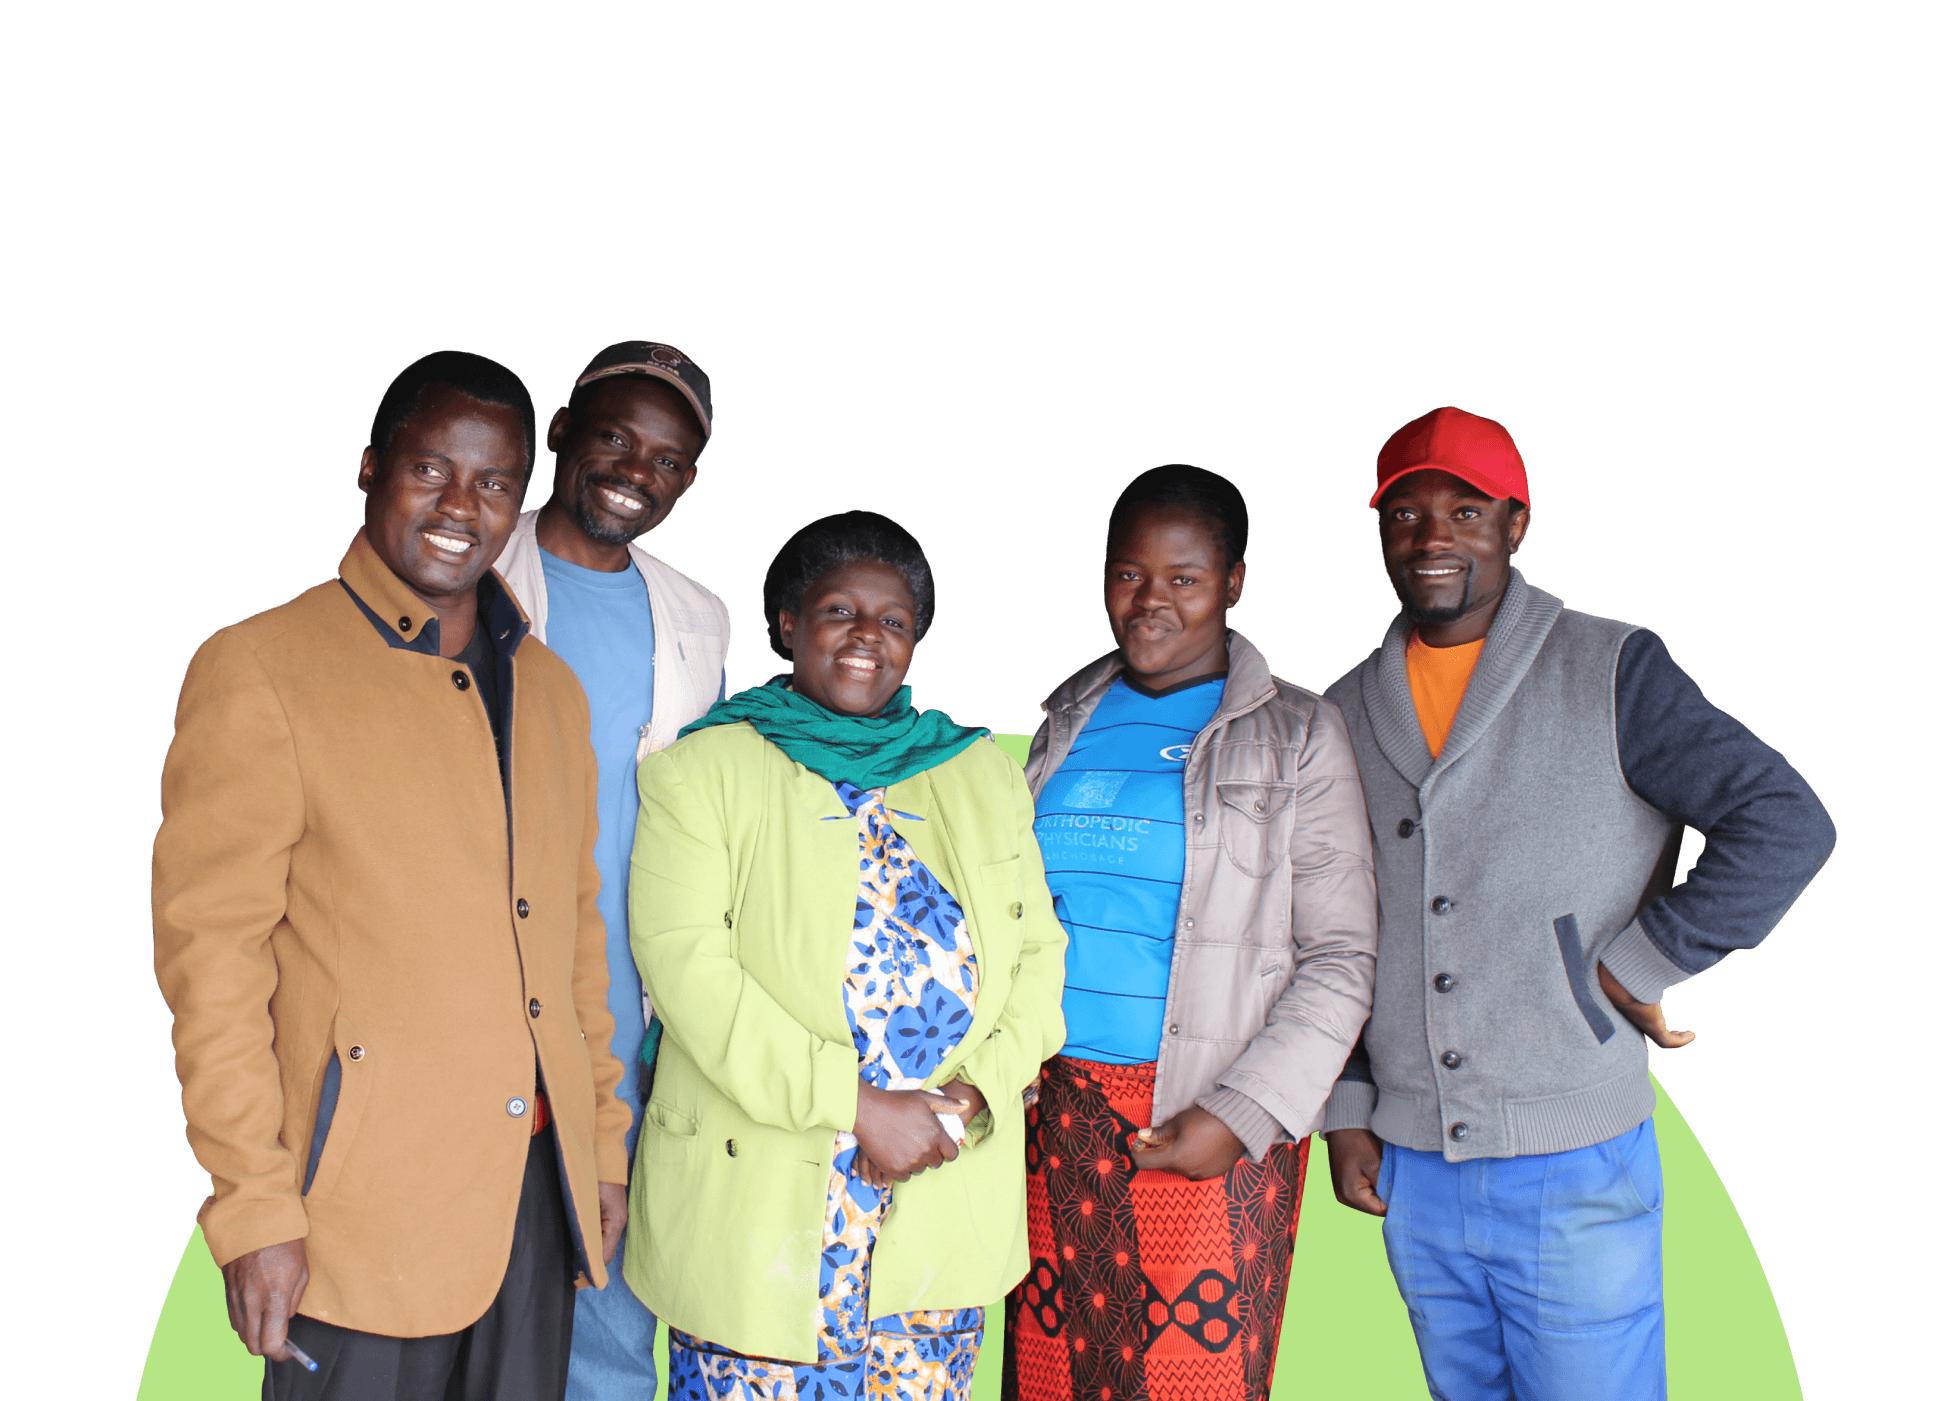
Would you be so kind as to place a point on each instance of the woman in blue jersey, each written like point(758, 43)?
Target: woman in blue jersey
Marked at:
point(1207, 849)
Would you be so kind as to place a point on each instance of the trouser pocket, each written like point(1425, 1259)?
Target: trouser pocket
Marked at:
point(1601, 1237)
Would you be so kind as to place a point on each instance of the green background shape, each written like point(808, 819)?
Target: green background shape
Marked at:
point(1346, 1331)
point(976, 268)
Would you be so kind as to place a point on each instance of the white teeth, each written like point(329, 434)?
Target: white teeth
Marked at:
point(445, 542)
point(858, 664)
point(619, 502)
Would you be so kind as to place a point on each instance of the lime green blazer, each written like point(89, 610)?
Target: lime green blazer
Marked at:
point(745, 871)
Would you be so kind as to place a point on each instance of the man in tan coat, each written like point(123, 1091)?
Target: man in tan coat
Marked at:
point(376, 925)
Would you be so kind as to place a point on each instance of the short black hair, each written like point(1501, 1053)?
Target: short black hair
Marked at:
point(576, 403)
point(1186, 488)
point(471, 375)
point(833, 541)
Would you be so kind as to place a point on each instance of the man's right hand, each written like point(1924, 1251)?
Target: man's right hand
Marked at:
point(1354, 1158)
point(263, 1289)
point(899, 1132)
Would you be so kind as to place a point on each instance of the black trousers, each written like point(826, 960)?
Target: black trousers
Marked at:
point(516, 1352)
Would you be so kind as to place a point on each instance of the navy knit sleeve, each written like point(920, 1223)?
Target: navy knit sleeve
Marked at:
point(1766, 833)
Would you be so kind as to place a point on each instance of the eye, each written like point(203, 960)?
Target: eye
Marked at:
point(615, 439)
point(1184, 581)
point(896, 623)
point(1467, 513)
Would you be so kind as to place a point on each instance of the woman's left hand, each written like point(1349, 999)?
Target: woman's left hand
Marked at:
point(1192, 1143)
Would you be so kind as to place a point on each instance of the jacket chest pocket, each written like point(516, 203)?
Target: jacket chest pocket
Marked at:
point(1255, 823)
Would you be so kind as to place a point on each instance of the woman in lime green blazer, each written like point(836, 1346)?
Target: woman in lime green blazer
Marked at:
point(839, 913)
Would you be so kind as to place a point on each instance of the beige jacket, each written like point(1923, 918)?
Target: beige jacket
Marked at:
point(365, 965)
point(690, 631)
point(1273, 952)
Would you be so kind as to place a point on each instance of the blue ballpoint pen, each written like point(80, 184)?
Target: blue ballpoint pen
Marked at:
point(309, 1362)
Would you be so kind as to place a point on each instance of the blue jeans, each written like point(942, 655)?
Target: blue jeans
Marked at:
point(612, 1356)
point(1538, 1278)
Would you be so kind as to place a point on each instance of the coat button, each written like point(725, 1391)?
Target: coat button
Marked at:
point(403, 624)
point(733, 1152)
point(1188, 924)
point(534, 1007)
point(1259, 807)
point(1017, 909)
point(1199, 817)
point(1458, 1131)
point(523, 908)
point(1172, 1030)
point(462, 681)
point(1452, 1060)
point(356, 1052)
point(515, 1107)
point(1441, 904)
point(1443, 982)
point(1406, 829)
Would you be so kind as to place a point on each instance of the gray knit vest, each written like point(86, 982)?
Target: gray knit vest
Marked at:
point(1504, 866)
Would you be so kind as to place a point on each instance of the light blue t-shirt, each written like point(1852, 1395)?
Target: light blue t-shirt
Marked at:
point(600, 624)
point(1111, 825)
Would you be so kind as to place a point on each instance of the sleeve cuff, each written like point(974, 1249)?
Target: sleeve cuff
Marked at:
point(1251, 1124)
point(1350, 1106)
point(1637, 963)
point(232, 1228)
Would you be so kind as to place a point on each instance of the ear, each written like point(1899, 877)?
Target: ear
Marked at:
point(1235, 583)
point(1518, 527)
point(367, 470)
point(556, 431)
point(785, 625)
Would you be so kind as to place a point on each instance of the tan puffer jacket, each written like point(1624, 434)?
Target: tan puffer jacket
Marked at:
point(1273, 951)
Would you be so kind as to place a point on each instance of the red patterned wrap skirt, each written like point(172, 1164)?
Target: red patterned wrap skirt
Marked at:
point(1144, 1286)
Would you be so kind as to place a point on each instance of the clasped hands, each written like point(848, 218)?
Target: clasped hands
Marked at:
point(898, 1133)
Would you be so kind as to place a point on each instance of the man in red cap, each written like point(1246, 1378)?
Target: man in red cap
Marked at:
point(1529, 774)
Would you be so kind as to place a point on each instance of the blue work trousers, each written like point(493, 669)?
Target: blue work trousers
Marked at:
point(1539, 1278)
point(612, 1354)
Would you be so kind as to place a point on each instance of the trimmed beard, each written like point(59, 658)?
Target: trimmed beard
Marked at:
point(1437, 617)
point(597, 529)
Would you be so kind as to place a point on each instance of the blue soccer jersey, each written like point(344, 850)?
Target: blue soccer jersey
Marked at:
point(1111, 824)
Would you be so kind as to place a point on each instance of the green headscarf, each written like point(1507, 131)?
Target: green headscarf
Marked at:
point(868, 752)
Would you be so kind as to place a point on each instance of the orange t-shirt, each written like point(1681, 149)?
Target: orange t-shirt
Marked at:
point(1437, 679)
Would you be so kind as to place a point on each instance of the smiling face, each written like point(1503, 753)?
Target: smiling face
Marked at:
point(443, 497)
point(853, 638)
point(1447, 546)
point(1167, 589)
point(625, 453)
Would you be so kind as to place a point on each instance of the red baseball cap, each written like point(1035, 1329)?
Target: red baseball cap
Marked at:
point(1478, 450)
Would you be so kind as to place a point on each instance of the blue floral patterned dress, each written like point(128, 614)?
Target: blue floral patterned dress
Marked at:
point(910, 992)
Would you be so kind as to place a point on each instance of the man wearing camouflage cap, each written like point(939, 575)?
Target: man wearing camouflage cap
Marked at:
point(647, 644)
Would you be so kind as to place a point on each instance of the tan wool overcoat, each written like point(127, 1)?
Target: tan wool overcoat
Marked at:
point(350, 932)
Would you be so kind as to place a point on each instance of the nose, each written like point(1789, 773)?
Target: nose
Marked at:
point(458, 501)
point(1432, 533)
point(1151, 593)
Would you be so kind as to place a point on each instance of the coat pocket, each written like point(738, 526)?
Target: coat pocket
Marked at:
point(333, 1083)
point(342, 1095)
point(1256, 824)
point(669, 1134)
point(1576, 969)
